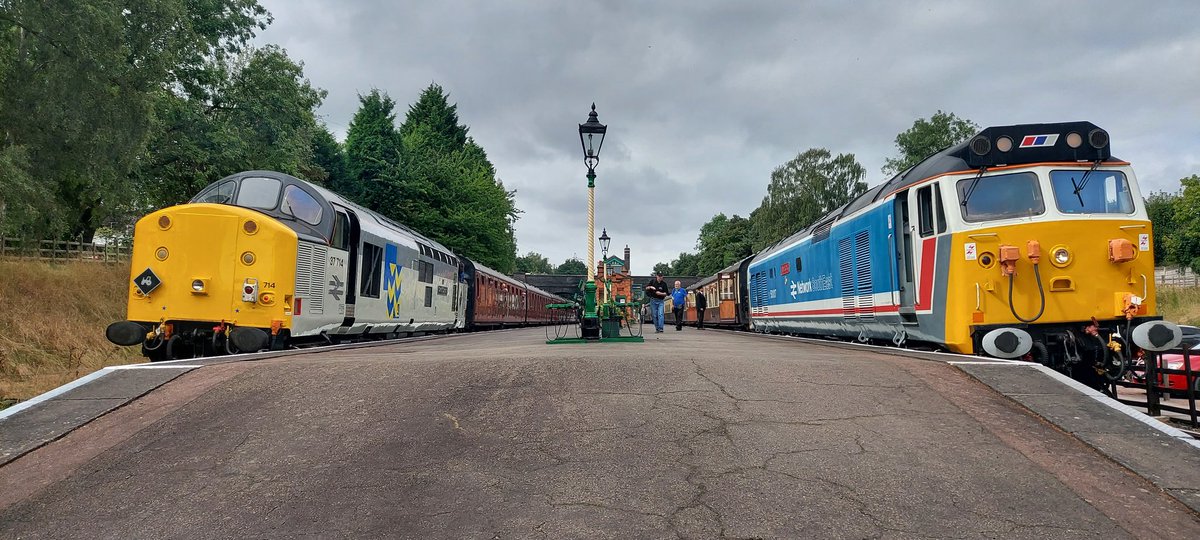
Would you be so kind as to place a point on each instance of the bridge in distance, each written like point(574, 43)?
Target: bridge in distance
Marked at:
point(695, 434)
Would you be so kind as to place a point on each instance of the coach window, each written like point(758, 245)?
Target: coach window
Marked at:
point(257, 192)
point(372, 269)
point(925, 210)
point(298, 203)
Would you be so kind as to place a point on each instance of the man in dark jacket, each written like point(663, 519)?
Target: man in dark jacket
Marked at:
point(701, 305)
point(656, 291)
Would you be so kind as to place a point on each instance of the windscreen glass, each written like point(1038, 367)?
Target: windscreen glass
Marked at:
point(1001, 196)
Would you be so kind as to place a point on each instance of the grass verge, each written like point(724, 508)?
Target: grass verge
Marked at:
point(1180, 304)
point(52, 321)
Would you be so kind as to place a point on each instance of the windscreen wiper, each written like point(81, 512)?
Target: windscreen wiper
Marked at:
point(971, 188)
point(1083, 182)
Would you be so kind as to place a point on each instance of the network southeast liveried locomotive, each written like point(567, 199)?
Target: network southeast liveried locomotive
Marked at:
point(1026, 241)
point(263, 259)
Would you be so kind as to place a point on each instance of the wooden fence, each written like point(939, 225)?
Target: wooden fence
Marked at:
point(63, 250)
point(1176, 277)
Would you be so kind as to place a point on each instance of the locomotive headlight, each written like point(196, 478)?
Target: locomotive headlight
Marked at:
point(1060, 256)
point(199, 286)
point(161, 253)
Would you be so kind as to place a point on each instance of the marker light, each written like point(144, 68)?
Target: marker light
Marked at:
point(1004, 144)
point(250, 226)
point(248, 258)
point(1098, 138)
point(164, 222)
point(161, 253)
point(1074, 140)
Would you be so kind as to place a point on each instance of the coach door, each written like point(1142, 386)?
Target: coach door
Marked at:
point(902, 235)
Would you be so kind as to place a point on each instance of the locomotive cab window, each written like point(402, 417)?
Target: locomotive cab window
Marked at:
point(941, 212)
point(1095, 192)
point(925, 211)
point(1002, 196)
point(219, 194)
point(298, 203)
point(372, 269)
point(258, 192)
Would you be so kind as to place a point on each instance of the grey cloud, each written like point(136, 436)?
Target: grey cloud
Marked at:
point(704, 99)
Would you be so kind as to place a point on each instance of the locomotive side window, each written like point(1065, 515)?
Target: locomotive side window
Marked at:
point(1002, 196)
point(798, 267)
point(297, 202)
point(218, 194)
point(257, 192)
point(341, 232)
point(372, 270)
point(941, 212)
point(1097, 192)
point(425, 271)
point(925, 210)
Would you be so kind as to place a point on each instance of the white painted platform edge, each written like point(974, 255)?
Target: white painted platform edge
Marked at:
point(46, 396)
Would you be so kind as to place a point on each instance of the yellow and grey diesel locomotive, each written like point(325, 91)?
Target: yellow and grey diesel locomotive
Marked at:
point(262, 258)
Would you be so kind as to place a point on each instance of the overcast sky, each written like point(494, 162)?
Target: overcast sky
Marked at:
point(704, 99)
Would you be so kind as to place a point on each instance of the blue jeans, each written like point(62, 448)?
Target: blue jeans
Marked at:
point(656, 310)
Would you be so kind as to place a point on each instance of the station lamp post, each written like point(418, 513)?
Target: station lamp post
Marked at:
point(604, 241)
point(591, 136)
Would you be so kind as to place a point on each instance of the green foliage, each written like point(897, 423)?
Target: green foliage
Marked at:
point(258, 116)
point(803, 190)
point(81, 83)
point(1184, 244)
point(927, 137)
point(372, 151)
point(1161, 208)
point(572, 267)
point(329, 159)
point(434, 113)
point(722, 242)
point(534, 263)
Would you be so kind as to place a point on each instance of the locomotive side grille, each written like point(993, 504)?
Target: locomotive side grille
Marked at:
point(846, 265)
point(862, 265)
point(310, 277)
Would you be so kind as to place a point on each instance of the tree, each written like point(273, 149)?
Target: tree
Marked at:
point(82, 80)
point(534, 263)
point(451, 192)
point(663, 268)
point(686, 264)
point(803, 190)
point(434, 112)
point(258, 116)
point(927, 137)
point(1185, 242)
point(1161, 208)
point(572, 267)
point(372, 151)
point(329, 159)
point(722, 242)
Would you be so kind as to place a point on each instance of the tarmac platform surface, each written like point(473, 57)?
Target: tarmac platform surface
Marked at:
point(693, 434)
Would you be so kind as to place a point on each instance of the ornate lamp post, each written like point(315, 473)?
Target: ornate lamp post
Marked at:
point(591, 136)
point(604, 241)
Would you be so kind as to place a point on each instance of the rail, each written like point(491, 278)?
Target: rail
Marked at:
point(63, 250)
point(1163, 376)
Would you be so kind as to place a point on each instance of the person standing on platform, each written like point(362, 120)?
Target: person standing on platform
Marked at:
point(701, 305)
point(656, 291)
point(678, 304)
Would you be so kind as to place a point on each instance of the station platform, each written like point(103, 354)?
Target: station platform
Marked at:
point(692, 434)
